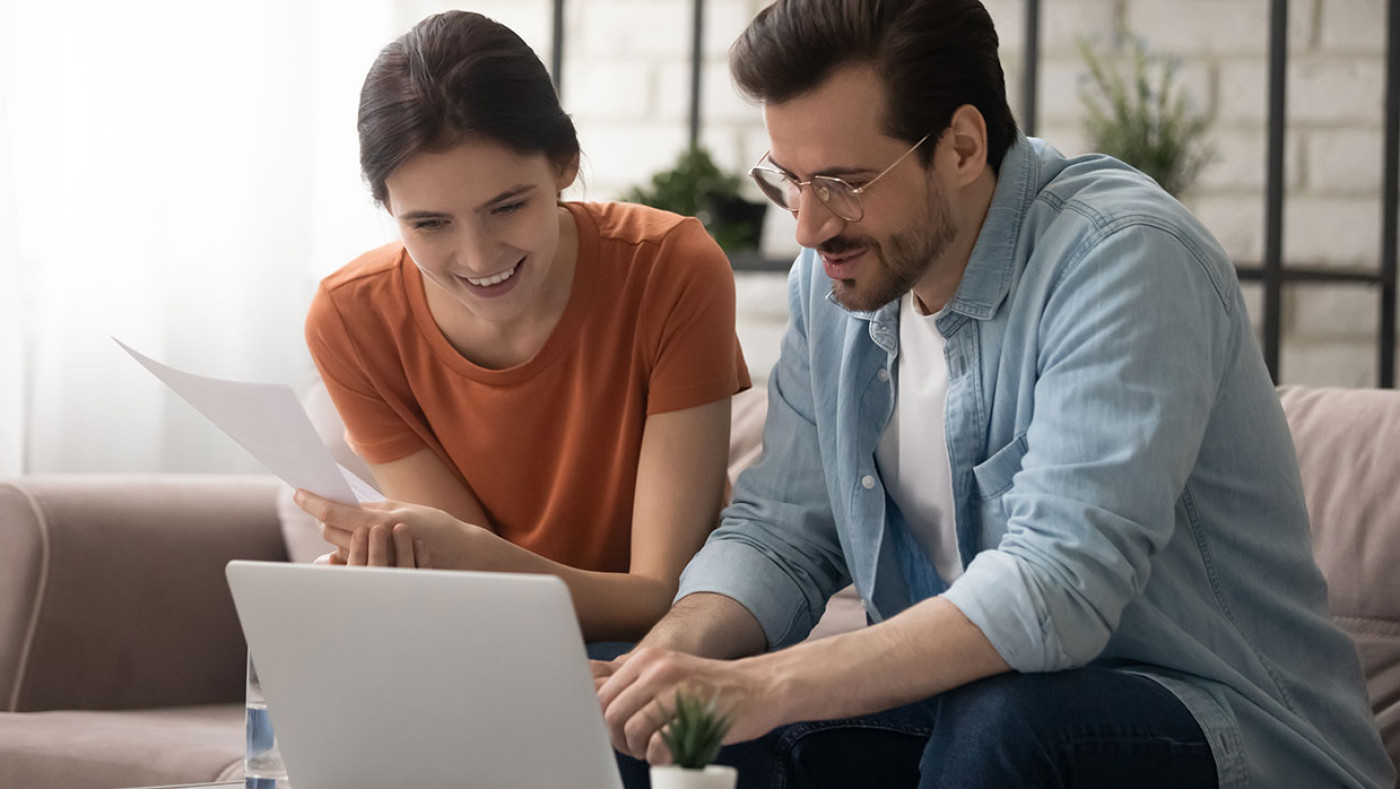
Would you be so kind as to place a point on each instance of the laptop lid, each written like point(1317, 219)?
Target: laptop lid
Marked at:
point(423, 678)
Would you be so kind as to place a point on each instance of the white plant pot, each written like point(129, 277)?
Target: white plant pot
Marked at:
point(714, 776)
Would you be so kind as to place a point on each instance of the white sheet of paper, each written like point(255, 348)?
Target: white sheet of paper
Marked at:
point(266, 420)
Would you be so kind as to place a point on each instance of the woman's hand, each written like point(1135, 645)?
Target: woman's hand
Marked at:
point(390, 534)
point(380, 547)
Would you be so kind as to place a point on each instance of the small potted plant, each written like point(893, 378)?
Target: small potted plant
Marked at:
point(696, 187)
point(694, 732)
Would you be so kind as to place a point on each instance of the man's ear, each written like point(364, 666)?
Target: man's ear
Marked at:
point(962, 152)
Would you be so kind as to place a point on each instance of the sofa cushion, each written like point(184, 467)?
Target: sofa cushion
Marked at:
point(99, 750)
point(1348, 443)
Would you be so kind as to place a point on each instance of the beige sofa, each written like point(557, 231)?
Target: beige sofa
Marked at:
point(121, 660)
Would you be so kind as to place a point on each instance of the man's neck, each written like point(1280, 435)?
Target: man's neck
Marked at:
point(940, 282)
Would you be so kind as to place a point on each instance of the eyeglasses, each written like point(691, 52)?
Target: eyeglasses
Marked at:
point(842, 198)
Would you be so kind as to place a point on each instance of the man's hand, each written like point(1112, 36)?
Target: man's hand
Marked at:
point(386, 534)
point(638, 695)
point(603, 669)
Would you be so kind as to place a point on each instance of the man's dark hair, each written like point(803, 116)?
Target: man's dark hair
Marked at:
point(932, 56)
point(457, 76)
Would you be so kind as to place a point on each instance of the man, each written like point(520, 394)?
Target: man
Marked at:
point(1021, 406)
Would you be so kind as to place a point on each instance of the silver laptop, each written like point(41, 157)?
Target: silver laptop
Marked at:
point(422, 679)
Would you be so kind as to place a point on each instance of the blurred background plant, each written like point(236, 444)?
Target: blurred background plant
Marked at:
point(696, 187)
point(1138, 113)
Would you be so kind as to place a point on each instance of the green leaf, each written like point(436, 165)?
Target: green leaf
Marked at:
point(694, 730)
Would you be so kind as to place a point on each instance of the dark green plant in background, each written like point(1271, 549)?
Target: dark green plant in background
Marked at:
point(1137, 113)
point(696, 187)
point(694, 731)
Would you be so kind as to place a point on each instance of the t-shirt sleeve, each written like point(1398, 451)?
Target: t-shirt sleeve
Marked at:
point(690, 313)
point(375, 430)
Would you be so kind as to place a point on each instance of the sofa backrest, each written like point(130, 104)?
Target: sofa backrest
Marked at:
point(1348, 443)
point(112, 590)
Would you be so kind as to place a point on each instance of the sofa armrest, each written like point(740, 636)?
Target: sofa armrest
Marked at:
point(112, 589)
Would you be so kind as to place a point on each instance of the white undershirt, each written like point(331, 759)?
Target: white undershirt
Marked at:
point(913, 451)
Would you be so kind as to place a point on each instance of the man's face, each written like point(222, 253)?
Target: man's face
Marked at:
point(907, 224)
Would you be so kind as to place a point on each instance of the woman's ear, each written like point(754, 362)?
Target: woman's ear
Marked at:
point(568, 171)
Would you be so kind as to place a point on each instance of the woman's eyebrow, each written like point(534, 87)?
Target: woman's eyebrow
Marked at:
point(514, 191)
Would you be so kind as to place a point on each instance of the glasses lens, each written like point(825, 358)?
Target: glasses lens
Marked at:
point(838, 196)
point(778, 187)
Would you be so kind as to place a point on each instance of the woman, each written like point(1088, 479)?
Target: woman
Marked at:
point(538, 386)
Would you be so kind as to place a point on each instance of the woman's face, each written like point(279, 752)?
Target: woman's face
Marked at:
point(481, 221)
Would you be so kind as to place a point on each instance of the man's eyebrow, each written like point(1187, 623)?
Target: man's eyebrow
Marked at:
point(834, 172)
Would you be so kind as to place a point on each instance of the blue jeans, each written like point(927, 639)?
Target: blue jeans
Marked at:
point(1089, 727)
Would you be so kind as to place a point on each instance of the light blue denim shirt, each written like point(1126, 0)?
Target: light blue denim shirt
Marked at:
point(1126, 490)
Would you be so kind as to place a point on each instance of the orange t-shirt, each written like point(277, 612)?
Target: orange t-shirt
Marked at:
point(550, 447)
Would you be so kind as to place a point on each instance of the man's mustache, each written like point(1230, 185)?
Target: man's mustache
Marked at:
point(841, 244)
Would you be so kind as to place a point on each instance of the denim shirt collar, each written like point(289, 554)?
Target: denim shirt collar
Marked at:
point(992, 265)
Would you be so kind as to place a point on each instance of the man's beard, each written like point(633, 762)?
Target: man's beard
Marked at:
point(899, 263)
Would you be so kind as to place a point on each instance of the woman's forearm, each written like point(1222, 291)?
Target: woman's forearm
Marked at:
point(610, 606)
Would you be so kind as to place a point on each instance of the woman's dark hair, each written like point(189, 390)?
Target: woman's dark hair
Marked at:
point(453, 77)
point(933, 56)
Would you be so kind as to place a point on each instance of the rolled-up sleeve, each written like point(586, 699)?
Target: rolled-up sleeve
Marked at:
point(1133, 342)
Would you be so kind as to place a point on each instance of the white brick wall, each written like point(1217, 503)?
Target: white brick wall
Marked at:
point(1335, 91)
point(1353, 26)
point(1345, 161)
point(1344, 312)
point(1331, 231)
point(1238, 164)
point(1215, 27)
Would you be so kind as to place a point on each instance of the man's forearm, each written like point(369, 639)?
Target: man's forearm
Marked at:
point(708, 625)
point(924, 651)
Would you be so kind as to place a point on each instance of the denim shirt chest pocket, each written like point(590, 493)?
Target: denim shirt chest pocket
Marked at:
point(994, 477)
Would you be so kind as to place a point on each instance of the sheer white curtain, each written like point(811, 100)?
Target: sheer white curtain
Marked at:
point(11, 291)
point(178, 174)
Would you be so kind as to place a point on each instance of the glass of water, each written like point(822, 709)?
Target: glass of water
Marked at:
point(262, 761)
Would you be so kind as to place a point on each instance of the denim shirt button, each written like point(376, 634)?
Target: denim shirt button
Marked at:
point(867, 482)
point(883, 375)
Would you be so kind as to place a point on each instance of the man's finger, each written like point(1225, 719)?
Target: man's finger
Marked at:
point(643, 727)
point(621, 678)
point(635, 712)
point(420, 555)
point(601, 669)
point(657, 752)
